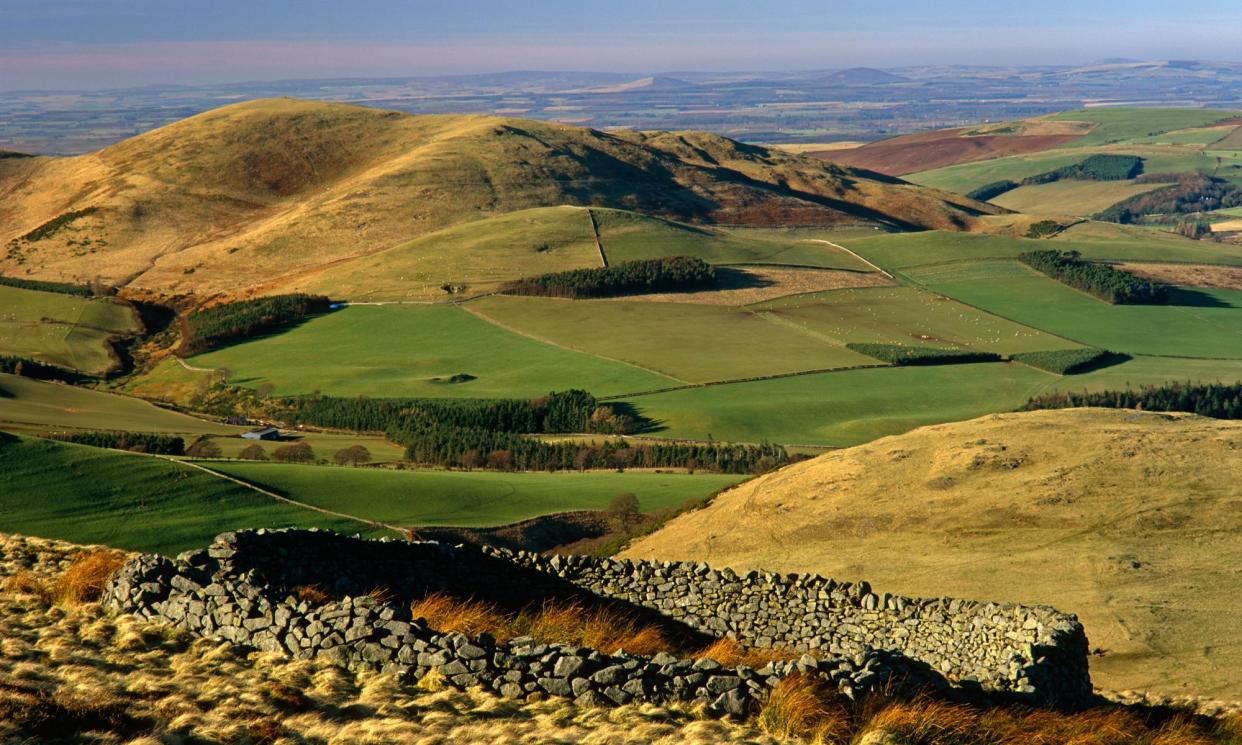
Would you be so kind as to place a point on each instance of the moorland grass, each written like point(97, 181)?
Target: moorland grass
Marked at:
point(1204, 322)
point(469, 498)
point(842, 408)
point(400, 350)
point(89, 495)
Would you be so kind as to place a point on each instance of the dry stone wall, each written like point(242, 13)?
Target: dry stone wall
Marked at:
point(244, 588)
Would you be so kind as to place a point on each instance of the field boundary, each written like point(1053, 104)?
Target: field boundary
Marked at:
point(599, 246)
point(851, 253)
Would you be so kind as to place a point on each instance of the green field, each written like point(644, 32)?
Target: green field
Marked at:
point(54, 406)
point(1015, 291)
point(1141, 371)
point(842, 408)
point(692, 343)
point(1077, 198)
point(905, 316)
point(88, 495)
point(397, 350)
point(475, 498)
point(1101, 241)
point(627, 236)
point(64, 330)
point(1126, 124)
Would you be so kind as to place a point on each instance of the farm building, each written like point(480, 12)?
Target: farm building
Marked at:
point(263, 433)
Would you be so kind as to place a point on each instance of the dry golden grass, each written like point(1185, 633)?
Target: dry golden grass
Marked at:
point(86, 576)
point(1194, 275)
point(73, 673)
point(1128, 519)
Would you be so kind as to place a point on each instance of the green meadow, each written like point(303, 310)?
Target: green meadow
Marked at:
point(400, 350)
point(469, 498)
point(1126, 124)
point(840, 409)
point(64, 330)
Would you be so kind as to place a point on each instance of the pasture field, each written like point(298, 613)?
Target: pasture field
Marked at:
point(1099, 241)
point(63, 330)
point(692, 343)
point(324, 444)
point(1128, 124)
point(469, 498)
point(41, 405)
point(1140, 371)
point(1078, 198)
point(1198, 136)
point(397, 350)
point(130, 501)
point(839, 409)
point(1197, 323)
point(905, 316)
point(628, 236)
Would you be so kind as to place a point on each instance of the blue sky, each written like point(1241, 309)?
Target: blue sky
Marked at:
point(103, 43)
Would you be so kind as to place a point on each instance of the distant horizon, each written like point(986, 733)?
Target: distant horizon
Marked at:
point(117, 44)
point(632, 74)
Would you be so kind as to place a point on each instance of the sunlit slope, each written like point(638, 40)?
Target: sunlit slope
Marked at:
point(257, 194)
point(1131, 520)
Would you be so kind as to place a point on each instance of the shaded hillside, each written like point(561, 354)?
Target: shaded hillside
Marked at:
point(275, 188)
point(1131, 520)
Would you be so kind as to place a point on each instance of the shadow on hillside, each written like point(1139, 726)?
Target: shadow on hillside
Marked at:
point(1191, 298)
point(730, 278)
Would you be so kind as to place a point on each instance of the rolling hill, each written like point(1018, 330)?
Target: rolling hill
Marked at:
point(1131, 520)
point(258, 195)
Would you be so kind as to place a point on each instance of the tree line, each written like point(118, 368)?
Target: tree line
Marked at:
point(666, 274)
point(901, 355)
point(1101, 280)
point(63, 288)
point(28, 368)
point(1103, 167)
point(455, 447)
point(137, 442)
point(212, 327)
point(1189, 193)
point(558, 412)
point(1219, 400)
point(1070, 361)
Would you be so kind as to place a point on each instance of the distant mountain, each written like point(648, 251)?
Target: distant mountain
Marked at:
point(652, 83)
point(860, 76)
point(260, 193)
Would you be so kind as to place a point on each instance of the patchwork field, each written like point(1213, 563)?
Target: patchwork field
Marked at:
point(469, 499)
point(905, 316)
point(1202, 322)
point(1126, 124)
point(399, 350)
point(64, 330)
point(691, 343)
point(1078, 198)
point(842, 408)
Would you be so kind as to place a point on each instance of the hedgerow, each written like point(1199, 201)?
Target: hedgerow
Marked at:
point(897, 354)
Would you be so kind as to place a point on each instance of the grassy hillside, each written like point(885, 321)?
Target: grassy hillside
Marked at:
point(89, 495)
point(258, 195)
point(64, 330)
point(1113, 125)
point(1129, 520)
point(474, 498)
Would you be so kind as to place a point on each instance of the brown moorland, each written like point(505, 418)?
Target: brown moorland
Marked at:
point(1132, 520)
point(261, 193)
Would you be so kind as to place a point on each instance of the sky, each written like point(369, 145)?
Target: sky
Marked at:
point(92, 44)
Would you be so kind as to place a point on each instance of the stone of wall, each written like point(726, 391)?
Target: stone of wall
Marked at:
point(243, 588)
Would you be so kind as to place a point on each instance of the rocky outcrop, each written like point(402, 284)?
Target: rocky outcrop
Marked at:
point(243, 588)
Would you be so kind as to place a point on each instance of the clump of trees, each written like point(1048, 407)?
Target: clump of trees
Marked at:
point(1043, 229)
point(507, 451)
point(666, 274)
point(1219, 400)
point(204, 447)
point(897, 354)
point(1189, 193)
point(56, 224)
point(1101, 280)
point(298, 452)
point(991, 191)
point(28, 368)
point(1070, 361)
point(136, 442)
point(354, 455)
point(1103, 167)
point(212, 327)
point(253, 451)
point(560, 412)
